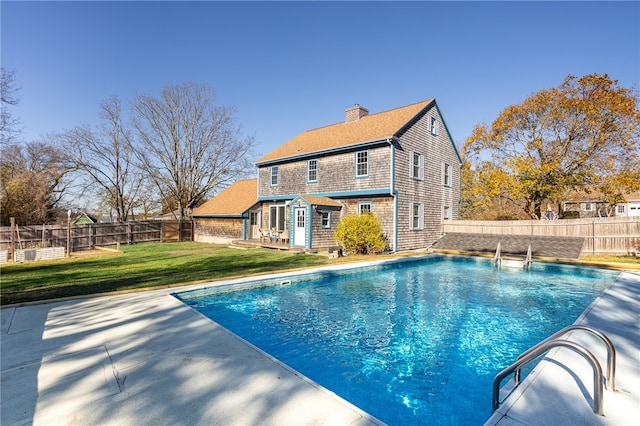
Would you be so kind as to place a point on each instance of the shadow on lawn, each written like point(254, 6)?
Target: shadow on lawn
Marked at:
point(66, 279)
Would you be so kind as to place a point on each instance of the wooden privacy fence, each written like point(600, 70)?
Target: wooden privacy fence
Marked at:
point(84, 237)
point(619, 235)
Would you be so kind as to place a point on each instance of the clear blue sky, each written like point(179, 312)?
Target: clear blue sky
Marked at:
point(292, 66)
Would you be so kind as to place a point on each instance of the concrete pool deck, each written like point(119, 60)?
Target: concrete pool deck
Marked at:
point(146, 358)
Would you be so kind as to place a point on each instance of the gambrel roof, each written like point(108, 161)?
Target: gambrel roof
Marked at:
point(370, 128)
point(233, 201)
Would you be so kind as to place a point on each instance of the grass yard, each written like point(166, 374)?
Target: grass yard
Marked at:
point(160, 265)
point(141, 266)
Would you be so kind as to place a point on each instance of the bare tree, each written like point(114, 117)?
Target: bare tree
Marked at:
point(189, 146)
point(8, 97)
point(32, 182)
point(105, 158)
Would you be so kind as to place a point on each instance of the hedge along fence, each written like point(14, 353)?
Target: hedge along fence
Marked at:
point(84, 237)
point(619, 235)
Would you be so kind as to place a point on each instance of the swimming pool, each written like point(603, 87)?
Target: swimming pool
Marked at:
point(411, 342)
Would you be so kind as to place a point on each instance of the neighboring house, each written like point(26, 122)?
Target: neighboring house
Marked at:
point(593, 205)
point(85, 219)
point(631, 207)
point(401, 165)
point(227, 216)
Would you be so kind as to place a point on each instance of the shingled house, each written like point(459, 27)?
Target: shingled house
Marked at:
point(227, 216)
point(400, 165)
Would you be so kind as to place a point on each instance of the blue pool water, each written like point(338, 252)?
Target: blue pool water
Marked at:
point(411, 342)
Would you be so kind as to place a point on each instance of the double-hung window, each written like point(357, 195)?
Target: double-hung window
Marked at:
point(312, 171)
point(416, 216)
point(446, 175)
point(416, 166)
point(434, 126)
point(275, 175)
point(362, 164)
point(326, 219)
point(364, 208)
point(446, 213)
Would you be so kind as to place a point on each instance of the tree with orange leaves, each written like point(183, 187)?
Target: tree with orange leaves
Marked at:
point(583, 134)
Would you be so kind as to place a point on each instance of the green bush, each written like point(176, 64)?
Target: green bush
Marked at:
point(571, 214)
point(360, 234)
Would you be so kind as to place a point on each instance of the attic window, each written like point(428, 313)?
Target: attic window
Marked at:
point(434, 126)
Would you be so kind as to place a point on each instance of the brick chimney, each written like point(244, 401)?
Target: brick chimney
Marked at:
point(355, 113)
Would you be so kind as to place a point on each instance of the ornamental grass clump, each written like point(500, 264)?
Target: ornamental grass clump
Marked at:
point(360, 234)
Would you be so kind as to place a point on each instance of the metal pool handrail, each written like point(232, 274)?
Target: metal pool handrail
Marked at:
point(611, 352)
point(540, 349)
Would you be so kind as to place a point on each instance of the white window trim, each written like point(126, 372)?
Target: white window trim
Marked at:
point(446, 174)
point(309, 170)
point(420, 166)
point(365, 203)
point(276, 175)
point(446, 212)
point(420, 217)
point(356, 164)
point(278, 208)
point(434, 126)
point(328, 225)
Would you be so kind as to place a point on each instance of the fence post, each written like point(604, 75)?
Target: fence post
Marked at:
point(12, 247)
point(68, 233)
point(593, 237)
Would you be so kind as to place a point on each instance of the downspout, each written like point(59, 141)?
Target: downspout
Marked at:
point(394, 194)
point(309, 227)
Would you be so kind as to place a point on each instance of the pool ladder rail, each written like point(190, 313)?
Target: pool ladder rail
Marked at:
point(497, 258)
point(553, 341)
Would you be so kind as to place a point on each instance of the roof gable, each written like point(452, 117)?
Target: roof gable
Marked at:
point(232, 201)
point(319, 201)
point(370, 128)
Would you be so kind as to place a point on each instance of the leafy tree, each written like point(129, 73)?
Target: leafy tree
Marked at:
point(584, 133)
point(360, 234)
point(105, 158)
point(32, 182)
point(188, 146)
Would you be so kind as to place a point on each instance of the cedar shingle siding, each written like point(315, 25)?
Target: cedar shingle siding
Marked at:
point(430, 191)
point(208, 229)
point(390, 140)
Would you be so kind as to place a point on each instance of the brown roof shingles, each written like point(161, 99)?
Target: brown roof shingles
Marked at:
point(369, 128)
point(232, 201)
point(321, 201)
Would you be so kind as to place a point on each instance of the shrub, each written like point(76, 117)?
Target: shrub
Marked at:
point(360, 234)
point(571, 214)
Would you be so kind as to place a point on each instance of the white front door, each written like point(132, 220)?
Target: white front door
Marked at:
point(299, 234)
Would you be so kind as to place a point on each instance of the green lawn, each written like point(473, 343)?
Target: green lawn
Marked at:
point(141, 266)
point(157, 264)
